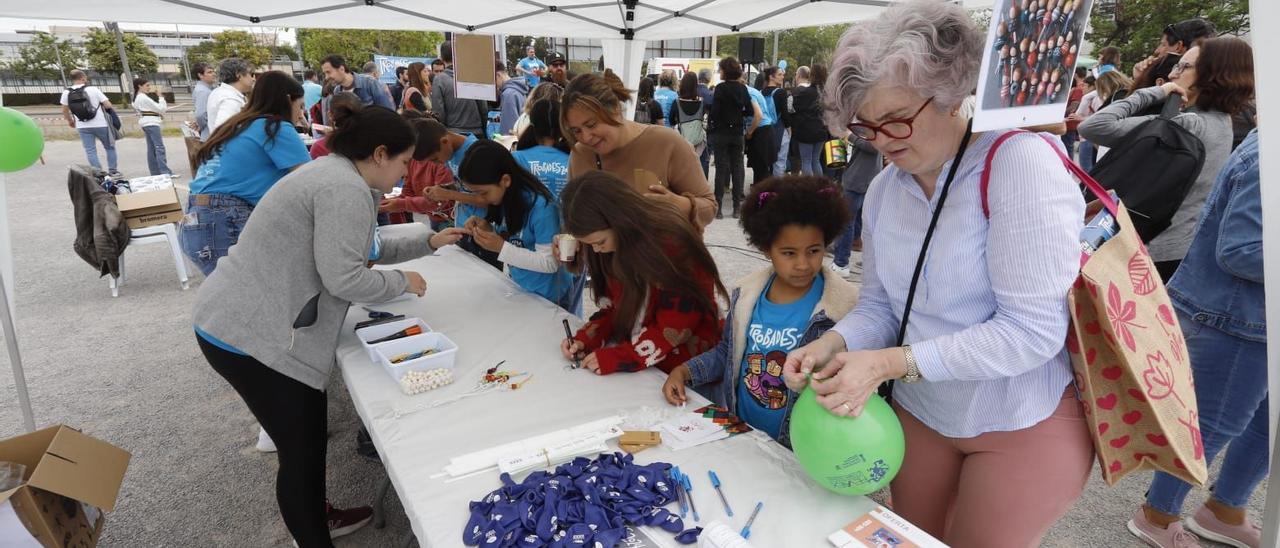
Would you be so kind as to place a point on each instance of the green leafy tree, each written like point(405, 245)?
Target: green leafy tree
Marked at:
point(1135, 26)
point(201, 53)
point(102, 55)
point(239, 43)
point(359, 46)
point(40, 57)
point(285, 51)
point(799, 46)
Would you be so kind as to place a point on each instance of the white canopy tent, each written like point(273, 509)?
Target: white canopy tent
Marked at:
point(625, 27)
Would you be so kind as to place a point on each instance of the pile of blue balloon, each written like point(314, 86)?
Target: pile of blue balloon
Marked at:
point(21, 141)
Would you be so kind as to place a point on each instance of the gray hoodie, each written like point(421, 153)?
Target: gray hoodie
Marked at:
point(282, 292)
point(511, 98)
point(459, 115)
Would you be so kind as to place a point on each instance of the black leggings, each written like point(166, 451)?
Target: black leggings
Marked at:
point(728, 150)
point(296, 417)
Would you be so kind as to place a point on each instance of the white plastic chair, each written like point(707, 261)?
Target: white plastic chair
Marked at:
point(150, 235)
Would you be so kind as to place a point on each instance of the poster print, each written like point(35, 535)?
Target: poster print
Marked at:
point(1027, 68)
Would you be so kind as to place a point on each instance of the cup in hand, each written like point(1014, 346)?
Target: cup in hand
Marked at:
point(567, 246)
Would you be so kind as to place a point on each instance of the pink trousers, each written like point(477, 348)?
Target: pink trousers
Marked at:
point(996, 490)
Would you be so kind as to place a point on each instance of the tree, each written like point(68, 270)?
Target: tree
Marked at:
point(285, 51)
point(1135, 26)
point(46, 57)
point(201, 53)
point(799, 46)
point(359, 46)
point(239, 43)
point(100, 51)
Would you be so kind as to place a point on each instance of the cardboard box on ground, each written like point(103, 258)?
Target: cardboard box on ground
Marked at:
point(154, 201)
point(71, 479)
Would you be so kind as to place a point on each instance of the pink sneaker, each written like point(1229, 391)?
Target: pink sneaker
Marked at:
point(1173, 537)
point(1209, 527)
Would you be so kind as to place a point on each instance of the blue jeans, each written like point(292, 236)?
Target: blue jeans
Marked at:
point(87, 137)
point(1087, 151)
point(811, 159)
point(784, 150)
point(572, 300)
point(1069, 140)
point(216, 227)
point(156, 161)
point(844, 244)
point(1231, 392)
point(705, 158)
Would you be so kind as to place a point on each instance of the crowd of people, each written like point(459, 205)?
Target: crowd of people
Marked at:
point(972, 327)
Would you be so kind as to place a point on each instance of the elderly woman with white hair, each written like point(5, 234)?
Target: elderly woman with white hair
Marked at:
point(997, 448)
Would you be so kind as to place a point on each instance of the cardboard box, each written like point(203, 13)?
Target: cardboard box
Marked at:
point(71, 479)
point(155, 207)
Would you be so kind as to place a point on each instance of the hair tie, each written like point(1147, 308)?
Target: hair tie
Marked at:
point(764, 197)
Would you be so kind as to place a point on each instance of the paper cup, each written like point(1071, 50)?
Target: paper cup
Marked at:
point(568, 247)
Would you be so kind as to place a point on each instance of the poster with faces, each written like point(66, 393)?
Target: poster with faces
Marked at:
point(1030, 58)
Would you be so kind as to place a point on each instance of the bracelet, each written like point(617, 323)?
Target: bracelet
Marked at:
point(913, 369)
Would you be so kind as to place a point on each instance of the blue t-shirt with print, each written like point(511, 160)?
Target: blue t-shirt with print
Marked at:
point(665, 99)
point(461, 211)
point(249, 164)
point(775, 330)
point(532, 65)
point(766, 119)
point(549, 164)
point(541, 225)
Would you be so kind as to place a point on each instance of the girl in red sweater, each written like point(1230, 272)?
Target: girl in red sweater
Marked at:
point(422, 175)
point(652, 277)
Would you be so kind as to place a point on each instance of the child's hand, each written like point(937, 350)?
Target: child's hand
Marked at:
point(673, 389)
point(591, 363)
point(448, 236)
point(571, 349)
point(390, 205)
point(417, 285)
point(487, 238)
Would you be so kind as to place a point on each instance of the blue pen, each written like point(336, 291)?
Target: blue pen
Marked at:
point(715, 482)
point(688, 492)
point(746, 530)
point(675, 477)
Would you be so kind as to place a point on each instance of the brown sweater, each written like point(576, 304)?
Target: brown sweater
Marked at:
point(664, 152)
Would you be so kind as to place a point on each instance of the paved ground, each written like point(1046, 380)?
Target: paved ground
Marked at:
point(127, 370)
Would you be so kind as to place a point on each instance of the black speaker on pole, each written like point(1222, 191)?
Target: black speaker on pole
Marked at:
point(750, 50)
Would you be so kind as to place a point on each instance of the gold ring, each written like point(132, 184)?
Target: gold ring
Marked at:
point(846, 404)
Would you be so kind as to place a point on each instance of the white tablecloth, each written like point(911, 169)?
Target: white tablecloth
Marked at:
point(492, 320)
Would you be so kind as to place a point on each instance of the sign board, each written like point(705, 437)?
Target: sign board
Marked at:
point(475, 76)
point(387, 65)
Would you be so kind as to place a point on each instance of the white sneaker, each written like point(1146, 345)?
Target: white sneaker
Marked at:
point(843, 271)
point(265, 444)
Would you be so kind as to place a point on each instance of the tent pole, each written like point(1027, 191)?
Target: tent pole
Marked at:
point(15, 359)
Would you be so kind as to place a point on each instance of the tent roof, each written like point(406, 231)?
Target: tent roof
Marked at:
point(653, 19)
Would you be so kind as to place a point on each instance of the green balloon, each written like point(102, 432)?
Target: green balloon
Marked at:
point(21, 141)
point(848, 456)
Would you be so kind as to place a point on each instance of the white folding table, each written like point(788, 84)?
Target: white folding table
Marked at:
point(492, 320)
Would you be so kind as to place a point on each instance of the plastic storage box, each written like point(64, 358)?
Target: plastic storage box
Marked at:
point(375, 332)
point(446, 350)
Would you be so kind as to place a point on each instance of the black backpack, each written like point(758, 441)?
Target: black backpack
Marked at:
point(1153, 170)
point(80, 105)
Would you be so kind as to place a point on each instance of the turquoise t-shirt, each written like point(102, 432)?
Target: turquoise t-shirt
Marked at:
point(549, 164)
point(311, 92)
point(532, 65)
point(665, 99)
point(775, 330)
point(766, 119)
point(249, 164)
point(461, 211)
point(540, 227)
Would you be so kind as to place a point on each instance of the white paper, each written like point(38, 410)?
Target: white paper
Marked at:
point(148, 184)
point(999, 111)
point(690, 427)
point(469, 90)
point(881, 527)
point(599, 430)
point(12, 533)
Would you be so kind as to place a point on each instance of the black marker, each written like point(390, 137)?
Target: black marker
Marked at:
point(568, 334)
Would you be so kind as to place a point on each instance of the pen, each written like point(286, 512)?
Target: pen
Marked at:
point(688, 492)
point(746, 530)
point(568, 334)
point(715, 482)
point(675, 476)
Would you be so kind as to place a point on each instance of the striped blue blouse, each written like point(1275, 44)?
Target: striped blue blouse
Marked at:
point(990, 316)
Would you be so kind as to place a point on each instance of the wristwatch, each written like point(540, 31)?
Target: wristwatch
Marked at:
point(913, 369)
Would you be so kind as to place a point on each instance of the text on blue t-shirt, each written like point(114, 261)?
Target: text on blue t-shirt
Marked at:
point(549, 164)
point(774, 331)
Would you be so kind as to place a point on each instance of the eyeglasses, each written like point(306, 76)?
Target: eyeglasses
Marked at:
point(1182, 66)
point(893, 129)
